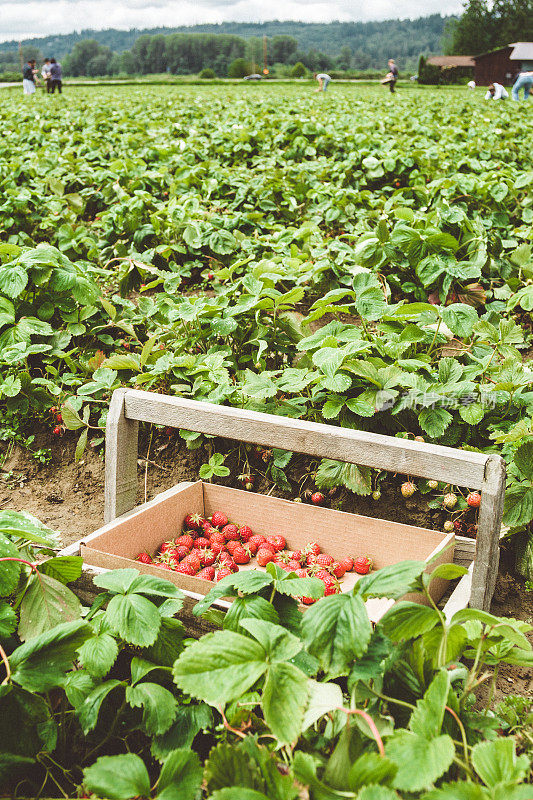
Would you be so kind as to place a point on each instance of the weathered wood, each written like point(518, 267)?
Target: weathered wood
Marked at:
point(460, 596)
point(458, 467)
point(488, 534)
point(121, 446)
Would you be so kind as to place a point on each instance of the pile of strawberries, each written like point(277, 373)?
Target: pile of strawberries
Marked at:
point(213, 548)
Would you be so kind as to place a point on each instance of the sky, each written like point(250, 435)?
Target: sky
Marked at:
point(25, 19)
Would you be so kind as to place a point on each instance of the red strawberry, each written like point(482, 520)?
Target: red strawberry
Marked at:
point(318, 499)
point(193, 561)
point(231, 532)
point(144, 558)
point(241, 555)
point(232, 545)
point(186, 540)
point(264, 556)
point(245, 532)
point(210, 531)
point(217, 538)
point(57, 430)
point(268, 546)
point(217, 548)
point(302, 573)
point(201, 541)
point(295, 555)
point(207, 558)
point(326, 577)
point(337, 569)
point(166, 545)
point(362, 565)
point(193, 521)
point(310, 559)
point(312, 547)
point(164, 565)
point(474, 499)
point(222, 573)
point(218, 520)
point(331, 589)
point(278, 541)
point(324, 560)
point(292, 564)
point(347, 563)
point(185, 569)
point(307, 601)
point(205, 524)
point(458, 525)
point(252, 547)
point(207, 574)
point(257, 539)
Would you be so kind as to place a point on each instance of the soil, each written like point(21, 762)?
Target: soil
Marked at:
point(69, 497)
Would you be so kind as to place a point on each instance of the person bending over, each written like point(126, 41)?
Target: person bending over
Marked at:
point(323, 79)
point(496, 92)
point(524, 81)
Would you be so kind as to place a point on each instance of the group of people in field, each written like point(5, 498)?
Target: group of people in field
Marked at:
point(523, 82)
point(391, 77)
point(51, 74)
point(496, 91)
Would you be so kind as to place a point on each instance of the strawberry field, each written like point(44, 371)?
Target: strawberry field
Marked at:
point(348, 258)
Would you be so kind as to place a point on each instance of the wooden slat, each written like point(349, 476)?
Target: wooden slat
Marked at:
point(121, 448)
point(488, 534)
point(407, 457)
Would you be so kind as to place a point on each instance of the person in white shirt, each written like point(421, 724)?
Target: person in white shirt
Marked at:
point(45, 72)
point(323, 79)
point(471, 84)
point(496, 92)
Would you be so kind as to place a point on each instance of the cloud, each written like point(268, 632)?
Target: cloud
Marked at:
point(24, 19)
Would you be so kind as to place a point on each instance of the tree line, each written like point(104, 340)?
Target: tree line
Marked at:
point(327, 46)
point(486, 26)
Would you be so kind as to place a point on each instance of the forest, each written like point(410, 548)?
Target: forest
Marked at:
point(359, 45)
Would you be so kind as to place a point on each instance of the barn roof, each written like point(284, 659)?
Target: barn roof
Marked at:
point(451, 61)
point(520, 51)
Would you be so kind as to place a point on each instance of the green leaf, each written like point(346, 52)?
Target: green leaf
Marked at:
point(98, 654)
point(157, 587)
point(117, 581)
point(78, 685)
point(71, 418)
point(518, 505)
point(323, 698)
point(181, 776)
point(284, 700)
point(392, 581)
point(228, 765)
point(472, 413)
point(371, 768)
point(41, 663)
point(305, 772)
point(89, 710)
point(45, 604)
point(247, 582)
point(336, 473)
point(238, 793)
point(81, 445)
point(460, 319)
point(337, 631)
point(449, 572)
point(220, 667)
point(8, 620)
point(420, 762)
point(118, 777)
point(426, 720)
point(9, 570)
point(169, 643)
point(377, 793)
point(249, 607)
point(460, 790)
point(134, 618)
point(13, 280)
point(63, 568)
point(523, 459)
point(159, 706)
point(188, 722)
point(496, 762)
point(407, 620)
point(123, 361)
point(25, 526)
point(434, 421)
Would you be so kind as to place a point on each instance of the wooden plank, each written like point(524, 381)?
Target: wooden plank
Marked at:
point(460, 596)
point(485, 569)
point(121, 446)
point(458, 467)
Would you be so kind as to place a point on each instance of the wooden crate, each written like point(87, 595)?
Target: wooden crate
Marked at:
point(117, 544)
point(485, 472)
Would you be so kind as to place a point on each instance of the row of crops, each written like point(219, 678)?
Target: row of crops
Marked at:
point(351, 258)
